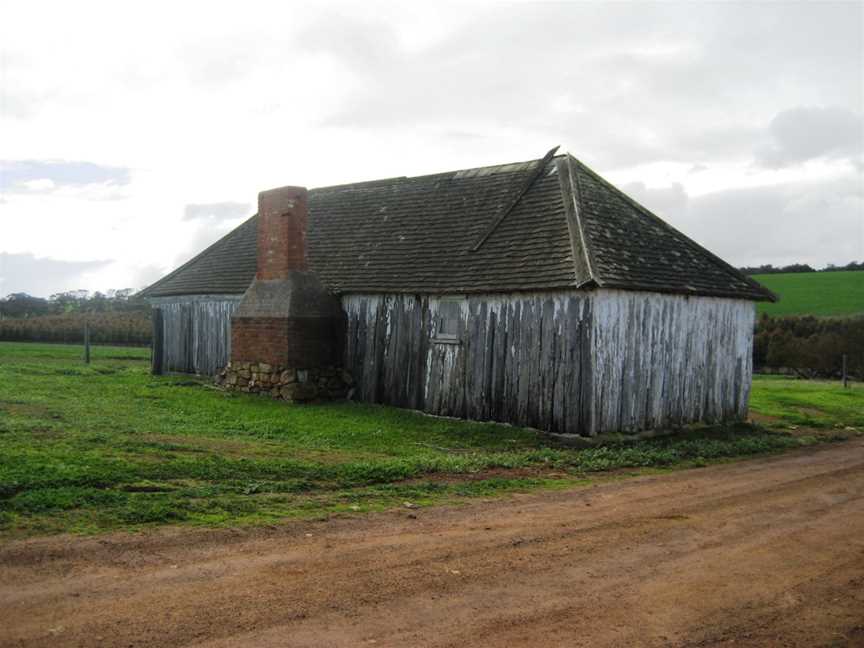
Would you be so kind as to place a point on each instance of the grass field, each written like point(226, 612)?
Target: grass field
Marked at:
point(108, 446)
point(814, 293)
point(808, 403)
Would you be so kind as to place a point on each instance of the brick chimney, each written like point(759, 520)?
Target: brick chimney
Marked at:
point(281, 232)
point(286, 319)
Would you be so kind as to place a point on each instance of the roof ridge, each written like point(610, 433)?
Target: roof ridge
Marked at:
point(728, 268)
point(451, 172)
point(362, 183)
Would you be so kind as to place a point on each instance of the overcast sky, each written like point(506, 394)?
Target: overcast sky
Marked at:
point(134, 134)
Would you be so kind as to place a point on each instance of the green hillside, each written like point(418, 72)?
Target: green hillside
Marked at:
point(814, 293)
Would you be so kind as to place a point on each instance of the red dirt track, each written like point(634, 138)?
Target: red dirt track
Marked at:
point(766, 552)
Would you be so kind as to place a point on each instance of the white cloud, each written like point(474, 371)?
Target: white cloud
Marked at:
point(797, 222)
point(217, 211)
point(45, 175)
point(43, 277)
point(41, 184)
point(807, 133)
point(135, 124)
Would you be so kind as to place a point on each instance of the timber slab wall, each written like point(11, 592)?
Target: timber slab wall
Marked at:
point(664, 360)
point(519, 359)
point(574, 362)
point(567, 362)
point(192, 334)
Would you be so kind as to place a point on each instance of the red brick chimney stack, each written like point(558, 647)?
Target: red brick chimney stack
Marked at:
point(287, 319)
point(281, 232)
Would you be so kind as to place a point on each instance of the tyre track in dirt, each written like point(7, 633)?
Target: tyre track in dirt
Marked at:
point(761, 552)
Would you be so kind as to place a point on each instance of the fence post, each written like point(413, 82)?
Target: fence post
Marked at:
point(845, 376)
point(86, 342)
point(156, 343)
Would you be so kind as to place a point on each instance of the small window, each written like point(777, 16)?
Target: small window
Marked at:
point(449, 314)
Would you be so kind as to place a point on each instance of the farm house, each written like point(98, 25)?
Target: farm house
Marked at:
point(533, 293)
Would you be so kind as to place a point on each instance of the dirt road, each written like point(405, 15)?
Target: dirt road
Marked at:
point(768, 552)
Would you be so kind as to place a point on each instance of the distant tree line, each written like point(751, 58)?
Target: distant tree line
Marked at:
point(800, 267)
point(19, 305)
point(114, 317)
point(810, 346)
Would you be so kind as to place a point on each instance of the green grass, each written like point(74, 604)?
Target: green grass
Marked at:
point(818, 404)
point(814, 293)
point(108, 446)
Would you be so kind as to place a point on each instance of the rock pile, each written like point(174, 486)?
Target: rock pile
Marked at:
point(295, 385)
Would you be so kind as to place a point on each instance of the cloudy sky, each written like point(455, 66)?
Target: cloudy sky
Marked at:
point(134, 134)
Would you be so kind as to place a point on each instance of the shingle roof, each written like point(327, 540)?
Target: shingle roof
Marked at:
point(426, 234)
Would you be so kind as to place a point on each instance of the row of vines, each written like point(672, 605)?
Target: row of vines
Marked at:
point(105, 328)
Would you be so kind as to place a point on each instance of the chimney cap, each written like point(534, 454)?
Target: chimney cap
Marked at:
point(280, 198)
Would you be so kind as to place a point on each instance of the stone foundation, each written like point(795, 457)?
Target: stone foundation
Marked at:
point(294, 385)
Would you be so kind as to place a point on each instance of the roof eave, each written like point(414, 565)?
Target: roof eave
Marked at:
point(757, 296)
